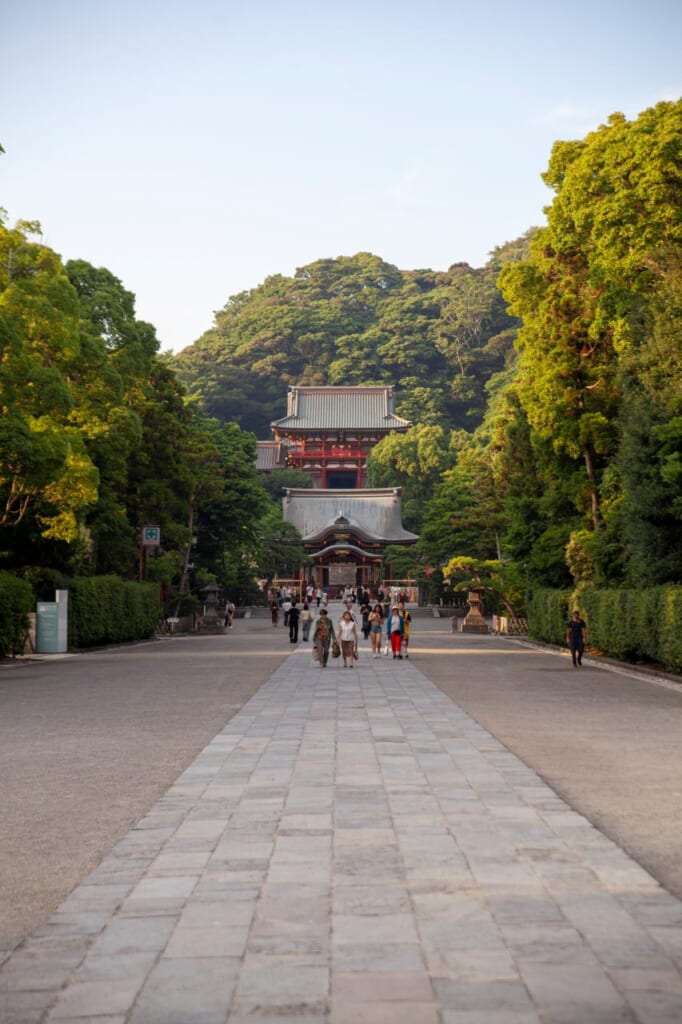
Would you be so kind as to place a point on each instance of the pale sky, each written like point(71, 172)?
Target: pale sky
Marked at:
point(194, 148)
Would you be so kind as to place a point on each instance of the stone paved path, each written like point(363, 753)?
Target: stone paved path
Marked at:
point(353, 848)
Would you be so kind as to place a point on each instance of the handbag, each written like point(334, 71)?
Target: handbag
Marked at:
point(336, 650)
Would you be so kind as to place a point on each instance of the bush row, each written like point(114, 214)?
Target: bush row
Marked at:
point(548, 613)
point(635, 625)
point(107, 609)
point(16, 601)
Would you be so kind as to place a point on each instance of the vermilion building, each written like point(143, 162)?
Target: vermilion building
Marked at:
point(329, 432)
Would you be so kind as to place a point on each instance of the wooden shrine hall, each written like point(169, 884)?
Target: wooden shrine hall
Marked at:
point(329, 432)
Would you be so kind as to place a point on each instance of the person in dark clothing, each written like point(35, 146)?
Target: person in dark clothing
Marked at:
point(294, 613)
point(576, 638)
point(366, 625)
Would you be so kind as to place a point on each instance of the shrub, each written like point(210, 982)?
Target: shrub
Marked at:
point(548, 613)
point(670, 627)
point(16, 601)
point(107, 609)
point(633, 625)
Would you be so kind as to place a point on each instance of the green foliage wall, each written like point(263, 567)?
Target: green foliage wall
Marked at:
point(632, 625)
point(636, 624)
point(106, 609)
point(548, 613)
point(16, 601)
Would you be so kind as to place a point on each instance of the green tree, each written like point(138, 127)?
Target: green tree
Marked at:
point(280, 551)
point(414, 461)
point(45, 470)
point(647, 514)
point(588, 294)
point(229, 524)
point(465, 515)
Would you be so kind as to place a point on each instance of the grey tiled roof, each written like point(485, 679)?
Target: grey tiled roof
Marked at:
point(345, 408)
point(269, 455)
point(374, 514)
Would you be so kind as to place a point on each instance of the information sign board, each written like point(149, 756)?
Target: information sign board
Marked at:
point(151, 536)
point(52, 624)
point(47, 627)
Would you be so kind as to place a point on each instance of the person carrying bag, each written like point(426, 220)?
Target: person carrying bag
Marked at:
point(347, 636)
point(322, 637)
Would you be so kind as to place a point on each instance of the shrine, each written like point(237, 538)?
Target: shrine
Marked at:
point(346, 532)
point(329, 432)
point(346, 526)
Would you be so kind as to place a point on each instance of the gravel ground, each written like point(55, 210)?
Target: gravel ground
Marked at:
point(88, 743)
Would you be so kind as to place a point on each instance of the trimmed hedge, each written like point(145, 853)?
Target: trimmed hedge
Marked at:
point(632, 625)
point(16, 601)
point(107, 609)
point(547, 613)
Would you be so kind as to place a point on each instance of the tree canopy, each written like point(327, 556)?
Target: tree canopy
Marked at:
point(544, 389)
point(435, 336)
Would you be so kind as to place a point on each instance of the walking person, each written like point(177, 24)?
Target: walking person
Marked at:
point(306, 621)
point(322, 637)
point(229, 614)
point(576, 638)
point(286, 607)
point(348, 639)
point(365, 613)
point(407, 619)
point(395, 627)
point(376, 628)
point(274, 610)
point(294, 614)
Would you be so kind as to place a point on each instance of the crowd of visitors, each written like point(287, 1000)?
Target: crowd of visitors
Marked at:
point(381, 617)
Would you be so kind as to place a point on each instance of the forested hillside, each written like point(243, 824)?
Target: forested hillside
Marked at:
point(436, 337)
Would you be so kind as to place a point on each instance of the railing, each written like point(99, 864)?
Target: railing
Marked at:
point(512, 627)
point(334, 452)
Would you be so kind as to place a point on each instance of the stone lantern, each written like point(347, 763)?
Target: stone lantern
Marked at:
point(212, 621)
point(473, 620)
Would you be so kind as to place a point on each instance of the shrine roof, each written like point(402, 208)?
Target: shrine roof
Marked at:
point(372, 514)
point(342, 408)
point(269, 455)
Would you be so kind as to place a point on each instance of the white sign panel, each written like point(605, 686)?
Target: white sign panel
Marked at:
point(151, 536)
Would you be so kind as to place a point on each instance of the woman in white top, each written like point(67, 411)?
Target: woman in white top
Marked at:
point(348, 639)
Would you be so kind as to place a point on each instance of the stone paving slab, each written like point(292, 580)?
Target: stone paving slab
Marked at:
point(353, 848)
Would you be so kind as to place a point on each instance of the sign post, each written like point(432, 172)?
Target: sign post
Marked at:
point(150, 537)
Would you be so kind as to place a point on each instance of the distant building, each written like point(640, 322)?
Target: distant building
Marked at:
point(346, 531)
point(329, 432)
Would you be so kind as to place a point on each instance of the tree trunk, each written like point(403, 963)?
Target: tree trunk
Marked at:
point(594, 497)
point(184, 579)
